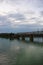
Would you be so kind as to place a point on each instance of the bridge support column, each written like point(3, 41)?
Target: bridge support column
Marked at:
point(18, 38)
point(23, 38)
point(31, 38)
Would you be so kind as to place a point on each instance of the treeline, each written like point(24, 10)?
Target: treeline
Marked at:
point(7, 35)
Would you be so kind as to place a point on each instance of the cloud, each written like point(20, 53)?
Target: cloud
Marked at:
point(4, 22)
point(17, 16)
point(41, 13)
point(21, 14)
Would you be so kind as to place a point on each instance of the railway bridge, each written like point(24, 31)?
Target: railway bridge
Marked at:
point(30, 35)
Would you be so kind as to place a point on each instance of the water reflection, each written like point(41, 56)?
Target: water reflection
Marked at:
point(18, 52)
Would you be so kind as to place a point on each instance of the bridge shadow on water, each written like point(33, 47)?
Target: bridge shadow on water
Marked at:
point(34, 42)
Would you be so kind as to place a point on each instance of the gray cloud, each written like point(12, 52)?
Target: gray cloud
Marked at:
point(1, 1)
point(4, 22)
point(17, 16)
point(26, 12)
point(41, 13)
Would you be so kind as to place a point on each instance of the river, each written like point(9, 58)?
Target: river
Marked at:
point(20, 52)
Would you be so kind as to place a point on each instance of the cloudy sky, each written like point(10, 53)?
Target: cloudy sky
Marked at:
point(21, 15)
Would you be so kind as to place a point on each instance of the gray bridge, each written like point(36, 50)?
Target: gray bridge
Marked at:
point(21, 35)
point(30, 35)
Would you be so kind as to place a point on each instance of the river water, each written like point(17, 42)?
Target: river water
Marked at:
point(20, 52)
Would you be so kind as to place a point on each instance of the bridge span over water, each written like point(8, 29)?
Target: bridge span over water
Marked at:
point(31, 35)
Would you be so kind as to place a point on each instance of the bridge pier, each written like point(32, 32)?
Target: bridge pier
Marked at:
point(31, 38)
point(23, 38)
point(18, 38)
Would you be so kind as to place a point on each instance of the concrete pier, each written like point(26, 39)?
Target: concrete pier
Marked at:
point(23, 38)
point(31, 38)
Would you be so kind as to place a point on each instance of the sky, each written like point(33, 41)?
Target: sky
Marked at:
point(21, 15)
